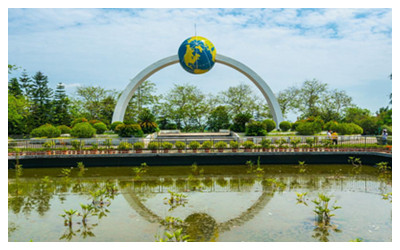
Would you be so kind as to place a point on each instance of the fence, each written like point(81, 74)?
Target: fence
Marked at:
point(356, 141)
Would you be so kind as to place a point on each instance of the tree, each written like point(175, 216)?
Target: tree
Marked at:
point(61, 115)
point(26, 83)
point(285, 99)
point(309, 97)
point(187, 106)
point(18, 110)
point(143, 97)
point(218, 119)
point(239, 99)
point(40, 97)
point(239, 122)
point(147, 121)
point(14, 88)
point(334, 105)
point(356, 114)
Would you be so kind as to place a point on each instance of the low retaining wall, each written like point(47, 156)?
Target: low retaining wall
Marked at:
point(176, 159)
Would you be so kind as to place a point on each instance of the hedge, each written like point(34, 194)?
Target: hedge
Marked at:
point(83, 130)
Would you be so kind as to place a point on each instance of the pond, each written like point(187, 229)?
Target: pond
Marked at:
point(251, 203)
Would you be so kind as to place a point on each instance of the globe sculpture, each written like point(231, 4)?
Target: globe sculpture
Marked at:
point(197, 55)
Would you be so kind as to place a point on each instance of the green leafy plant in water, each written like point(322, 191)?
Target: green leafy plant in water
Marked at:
point(18, 170)
point(387, 196)
point(65, 172)
point(68, 214)
point(274, 184)
point(175, 236)
point(323, 210)
point(302, 167)
point(383, 167)
point(175, 200)
point(138, 172)
point(87, 210)
point(301, 198)
point(357, 164)
point(196, 170)
point(356, 240)
point(255, 169)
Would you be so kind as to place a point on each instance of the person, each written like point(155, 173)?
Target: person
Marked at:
point(329, 134)
point(384, 136)
point(335, 138)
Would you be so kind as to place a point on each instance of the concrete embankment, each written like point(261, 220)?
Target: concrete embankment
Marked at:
point(176, 159)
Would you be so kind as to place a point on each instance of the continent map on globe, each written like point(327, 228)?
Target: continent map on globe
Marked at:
point(197, 55)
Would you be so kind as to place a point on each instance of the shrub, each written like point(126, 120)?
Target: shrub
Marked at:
point(100, 127)
point(153, 145)
point(248, 144)
point(92, 122)
point(138, 145)
point(147, 122)
point(285, 126)
point(369, 125)
point(115, 124)
point(78, 120)
point(124, 145)
point(234, 144)
point(46, 130)
point(388, 129)
point(207, 144)
point(349, 129)
point(255, 128)
point(77, 144)
point(265, 143)
point(128, 130)
point(180, 145)
point(239, 122)
point(308, 128)
point(295, 124)
point(331, 125)
point(83, 130)
point(194, 145)
point(221, 144)
point(64, 129)
point(167, 145)
point(48, 145)
point(269, 125)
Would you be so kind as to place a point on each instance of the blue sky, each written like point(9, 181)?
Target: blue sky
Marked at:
point(350, 49)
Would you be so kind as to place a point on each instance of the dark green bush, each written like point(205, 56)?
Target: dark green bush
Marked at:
point(128, 130)
point(348, 129)
point(308, 128)
point(46, 130)
point(269, 125)
point(83, 130)
point(100, 127)
point(255, 128)
point(64, 129)
point(285, 126)
point(78, 120)
point(115, 124)
point(331, 125)
point(239, 122)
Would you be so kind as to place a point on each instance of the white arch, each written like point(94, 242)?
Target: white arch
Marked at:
point(126, 96)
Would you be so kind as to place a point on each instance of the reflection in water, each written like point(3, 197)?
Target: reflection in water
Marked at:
point(34, 192)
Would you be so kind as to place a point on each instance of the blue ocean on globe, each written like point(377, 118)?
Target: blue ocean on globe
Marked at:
point(197, 55)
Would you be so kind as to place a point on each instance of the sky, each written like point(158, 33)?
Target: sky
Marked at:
point(350, 49)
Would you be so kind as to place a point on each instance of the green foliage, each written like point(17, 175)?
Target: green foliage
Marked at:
point(83, 130)
point(280, 142)
point(46, 130)
point(285, 126)
point(301, 198)
point(140, 171)
point(167, 145)
point(221, 144)
point(323, 210)
point(310, 141)
point(115, 124)
point(269, 125)
point(234, 144)
point(207, 144)
point(68, 214)
point(100, 127)
point(78, 120)
point(295, 141)
point(239, 122)
point(308, 128)
point(248, 144)
point(64, 129)
point(265, 143)
point(48, 145)
point(369, 125)
point(180, 145)
point(175, 200)
point(147, 121)
point(77, 144)
point(153, 145)
point(348, 129)
point(124, 146)
point(218, 119)
point(128, 130)
point(331, 125)
point(194, 145)
point(255, 128)
point(138, 145)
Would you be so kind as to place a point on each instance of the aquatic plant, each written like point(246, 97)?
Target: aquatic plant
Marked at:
point(139, 171)
point(65, 172)
point(323, 210)
point(383, 167)
point(68, 214)
point(87, 210)
point(196, 170)
point(301, 198)
point(175, 200)
point(302, 167)
point(175, 236)
point(357, 164)
point(387, 196)
point(356, 240)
